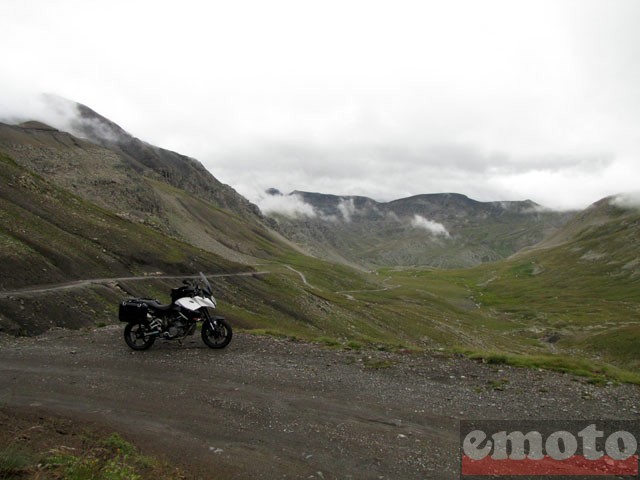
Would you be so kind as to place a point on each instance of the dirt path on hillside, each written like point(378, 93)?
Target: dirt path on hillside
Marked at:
point(301, 275)
point(270, 408)
point(347, 293)
point(35, 290)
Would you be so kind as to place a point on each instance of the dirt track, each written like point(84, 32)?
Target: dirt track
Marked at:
point(268, 408)
point(77, 284)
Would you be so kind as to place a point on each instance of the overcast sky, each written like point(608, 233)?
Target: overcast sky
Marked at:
point(498, 100)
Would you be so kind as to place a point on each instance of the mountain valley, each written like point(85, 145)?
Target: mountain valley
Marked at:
point(436, 271)
point(364, 331)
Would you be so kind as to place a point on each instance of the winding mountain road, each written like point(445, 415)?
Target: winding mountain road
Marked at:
point(40, 289)
point(301, 275)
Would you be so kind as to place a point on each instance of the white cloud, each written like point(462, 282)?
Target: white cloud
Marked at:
point(347, 209)
point(627, 200)
point(21, 106)
point(430, 226)
point(288, 205)
point(498, 100)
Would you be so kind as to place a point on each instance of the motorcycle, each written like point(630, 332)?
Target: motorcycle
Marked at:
point(147, 319)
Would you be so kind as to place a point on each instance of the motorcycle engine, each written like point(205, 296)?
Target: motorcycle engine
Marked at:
point(176, 329)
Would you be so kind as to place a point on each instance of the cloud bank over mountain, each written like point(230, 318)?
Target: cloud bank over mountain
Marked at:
point(498, 100)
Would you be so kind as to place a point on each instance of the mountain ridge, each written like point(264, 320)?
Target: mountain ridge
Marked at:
point(448, 230)
point(170, 165)
point(102, 169)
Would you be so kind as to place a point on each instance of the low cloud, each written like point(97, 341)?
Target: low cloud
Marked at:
point(337, 126)
point(532, 207)
point(627, 200)
point(430, 226)
point(292, 206)
point(377, 169)
point(49, 109)
point(347, 209)
point(57, 112)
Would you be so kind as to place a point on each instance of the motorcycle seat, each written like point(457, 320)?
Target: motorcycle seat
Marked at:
point(158, 306)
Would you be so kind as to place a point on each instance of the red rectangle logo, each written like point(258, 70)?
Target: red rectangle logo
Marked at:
point(549, 448)
point(573, 466)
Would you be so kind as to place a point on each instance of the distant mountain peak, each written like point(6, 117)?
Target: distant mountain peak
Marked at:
point(92, 125)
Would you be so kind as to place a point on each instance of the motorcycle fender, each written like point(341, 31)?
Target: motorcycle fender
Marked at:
point(213, 321)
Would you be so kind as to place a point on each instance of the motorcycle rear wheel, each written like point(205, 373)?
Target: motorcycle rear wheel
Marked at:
point(137, 336)
point(218, 337)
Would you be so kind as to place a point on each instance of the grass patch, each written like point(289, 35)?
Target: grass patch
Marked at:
point(118, 445)
point(118, 467)
point(14, 461)
point(615, 343)
point(266, 332)
point(328, 342)
point(595, 372)
point(110, 458)
point(499, 384)
point(377, 363)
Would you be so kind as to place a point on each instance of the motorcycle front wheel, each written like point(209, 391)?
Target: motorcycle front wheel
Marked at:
point(137, 336)
point(217, 336)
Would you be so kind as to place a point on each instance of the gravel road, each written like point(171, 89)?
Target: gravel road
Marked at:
point(271, 408)
point(78, 284)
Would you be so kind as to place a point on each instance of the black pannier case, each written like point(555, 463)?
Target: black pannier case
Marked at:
point(132, 310)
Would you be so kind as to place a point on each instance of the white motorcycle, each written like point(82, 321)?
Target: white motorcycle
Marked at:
point(148, 319)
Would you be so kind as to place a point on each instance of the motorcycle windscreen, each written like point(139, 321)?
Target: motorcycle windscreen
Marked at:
point(208, 289)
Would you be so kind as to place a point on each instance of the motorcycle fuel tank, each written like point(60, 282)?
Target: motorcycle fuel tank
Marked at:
point(194, 303)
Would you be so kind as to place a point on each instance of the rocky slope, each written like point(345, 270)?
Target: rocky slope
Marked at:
point(169, 192)
point(49, 235)
point(175, 169)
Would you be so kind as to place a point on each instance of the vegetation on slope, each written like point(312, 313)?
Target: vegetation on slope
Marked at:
point(35, 446)
point(570, 303)
point(169, 192)
point(49, 235)
point(573, 303)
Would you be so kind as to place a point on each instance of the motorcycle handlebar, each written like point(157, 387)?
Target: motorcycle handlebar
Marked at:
point(198, 286)
point(193, 284)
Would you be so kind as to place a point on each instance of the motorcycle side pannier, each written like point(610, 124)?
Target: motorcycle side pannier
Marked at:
point(132, 310)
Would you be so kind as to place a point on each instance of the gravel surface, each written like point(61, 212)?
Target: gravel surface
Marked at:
point(272, 408)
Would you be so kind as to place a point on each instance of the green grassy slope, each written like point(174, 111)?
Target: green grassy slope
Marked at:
point(171, 193)
point(578, 298)
point(49, 235)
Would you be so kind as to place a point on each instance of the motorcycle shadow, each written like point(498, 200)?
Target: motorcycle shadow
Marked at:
point(174, 345)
